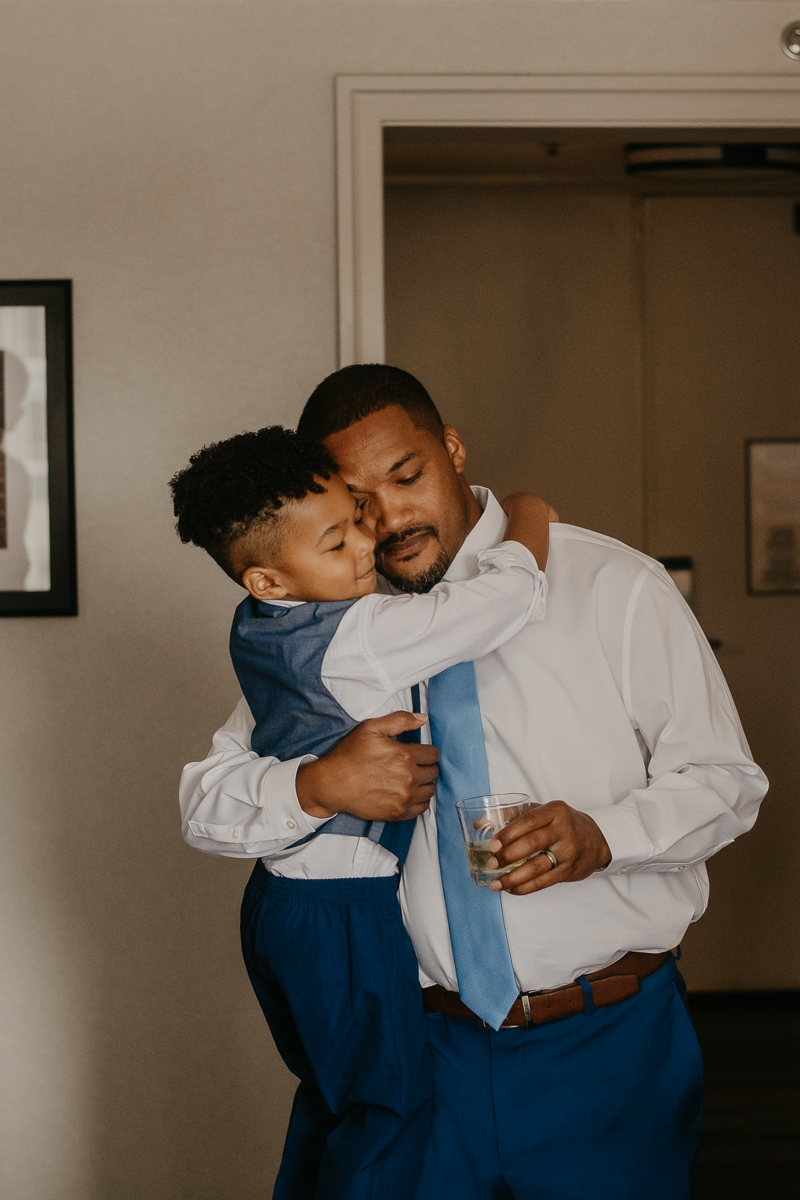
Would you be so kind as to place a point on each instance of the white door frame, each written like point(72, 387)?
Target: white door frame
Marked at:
point(366, 103)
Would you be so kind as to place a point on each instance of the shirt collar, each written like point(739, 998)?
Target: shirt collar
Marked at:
point(489, 530)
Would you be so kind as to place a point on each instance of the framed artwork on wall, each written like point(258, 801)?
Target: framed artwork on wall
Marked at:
point(38, 574)
point(773, 516)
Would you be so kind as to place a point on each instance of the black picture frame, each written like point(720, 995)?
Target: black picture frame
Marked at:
point(60, 599)
point(772, 497)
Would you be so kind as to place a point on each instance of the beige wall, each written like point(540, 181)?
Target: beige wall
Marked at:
point(176, 160)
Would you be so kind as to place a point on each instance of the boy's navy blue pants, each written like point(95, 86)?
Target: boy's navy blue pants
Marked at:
point(600, 1107)
point(336, 976)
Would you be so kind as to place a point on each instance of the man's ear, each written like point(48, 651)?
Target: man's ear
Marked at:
point(455, 448)
point(264, 584)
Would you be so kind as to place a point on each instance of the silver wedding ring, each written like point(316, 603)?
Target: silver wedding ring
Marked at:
point(553, 860)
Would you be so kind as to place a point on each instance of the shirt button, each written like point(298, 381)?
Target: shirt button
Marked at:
point(682, 867)
point(621, 871)
point(290, 824)
point(237, 833)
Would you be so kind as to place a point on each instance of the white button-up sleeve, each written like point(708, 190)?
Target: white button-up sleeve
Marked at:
point(703, 787)
point(385, 644)
point(237, 805)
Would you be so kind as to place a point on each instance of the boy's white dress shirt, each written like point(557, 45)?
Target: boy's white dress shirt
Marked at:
point(614, 704)
point(382, 647)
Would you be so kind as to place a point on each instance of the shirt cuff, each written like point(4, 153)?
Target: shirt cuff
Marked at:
point(506, 555)
point(279, 800)
point(627, 841)
point(513, 556)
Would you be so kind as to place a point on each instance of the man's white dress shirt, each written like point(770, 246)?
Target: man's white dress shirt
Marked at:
point(614, 704)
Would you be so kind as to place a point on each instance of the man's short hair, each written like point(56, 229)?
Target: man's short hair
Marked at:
point(356, 392)
point(233, 491)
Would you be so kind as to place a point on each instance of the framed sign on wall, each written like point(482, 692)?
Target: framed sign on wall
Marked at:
point(773, 516)
point(37, 497)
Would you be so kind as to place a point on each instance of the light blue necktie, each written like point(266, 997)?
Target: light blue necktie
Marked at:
point(475, 915)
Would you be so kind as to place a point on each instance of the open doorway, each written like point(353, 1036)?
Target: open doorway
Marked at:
point(626, 335)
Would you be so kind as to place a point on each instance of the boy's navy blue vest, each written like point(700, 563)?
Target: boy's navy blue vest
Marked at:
point(277, 654)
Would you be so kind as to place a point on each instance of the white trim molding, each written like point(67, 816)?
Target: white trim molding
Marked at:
point(366, 103)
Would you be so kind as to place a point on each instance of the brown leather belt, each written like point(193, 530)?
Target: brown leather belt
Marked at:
point(618, 982)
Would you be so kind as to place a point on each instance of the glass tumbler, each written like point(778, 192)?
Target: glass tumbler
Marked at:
point(482, 817)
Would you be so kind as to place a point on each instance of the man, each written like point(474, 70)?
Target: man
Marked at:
point(614, 716)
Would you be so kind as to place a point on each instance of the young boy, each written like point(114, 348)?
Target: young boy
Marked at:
point(316, 652)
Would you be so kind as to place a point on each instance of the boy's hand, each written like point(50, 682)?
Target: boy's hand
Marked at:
point(518, 501)
point(529, 519)
point(370, 775)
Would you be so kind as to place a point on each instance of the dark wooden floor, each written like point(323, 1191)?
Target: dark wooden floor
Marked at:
point(751, 1119)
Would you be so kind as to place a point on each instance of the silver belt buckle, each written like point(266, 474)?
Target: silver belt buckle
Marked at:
point(526, 1009)
point(526, 1005)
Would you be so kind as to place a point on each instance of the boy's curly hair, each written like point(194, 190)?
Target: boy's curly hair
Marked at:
point(233, 488)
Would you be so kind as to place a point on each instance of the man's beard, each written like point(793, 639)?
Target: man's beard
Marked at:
point(426, 579)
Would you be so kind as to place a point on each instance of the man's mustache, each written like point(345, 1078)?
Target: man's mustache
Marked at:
point(404, 535)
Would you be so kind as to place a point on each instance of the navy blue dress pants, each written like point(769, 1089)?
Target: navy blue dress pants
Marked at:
point(600, 1107)
point(336, 976)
